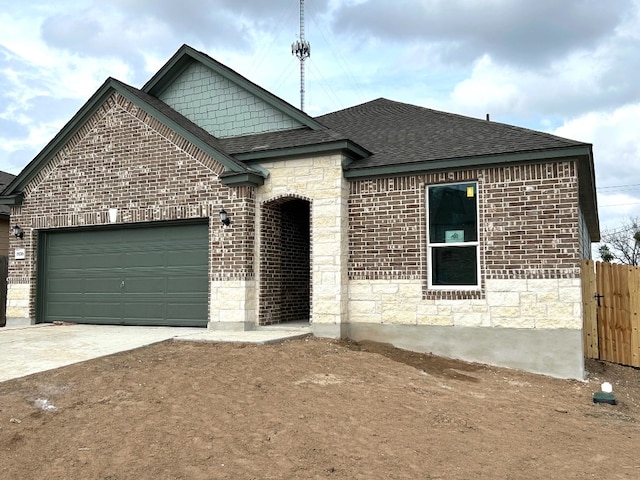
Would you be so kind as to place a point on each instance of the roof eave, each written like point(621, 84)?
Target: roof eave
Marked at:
point(588, 197)
point(15, 199)
point(350, 149)
point(464, 162)
point(239, 179)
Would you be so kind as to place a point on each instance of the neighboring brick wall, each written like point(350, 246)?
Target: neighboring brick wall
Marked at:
point(123, 158)
point(528, 224)
point(221, 107)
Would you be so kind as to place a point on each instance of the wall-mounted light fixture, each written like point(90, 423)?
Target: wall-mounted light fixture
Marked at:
point(17, 231)
point(224, 218)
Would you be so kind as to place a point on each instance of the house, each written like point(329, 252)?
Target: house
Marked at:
point(5, 219)
point(5, 179)
point(202, 199)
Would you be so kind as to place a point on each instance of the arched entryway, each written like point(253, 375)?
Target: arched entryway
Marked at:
point(285, 261)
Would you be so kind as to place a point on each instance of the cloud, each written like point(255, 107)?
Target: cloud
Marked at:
point(616, 148)
point(614, 135)
point(518, 32)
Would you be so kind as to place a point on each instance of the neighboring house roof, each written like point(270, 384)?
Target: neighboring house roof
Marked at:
point(5, 179)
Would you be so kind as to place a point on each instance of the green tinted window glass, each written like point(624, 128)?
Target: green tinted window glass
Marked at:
point(453, 213)
point(454, 266)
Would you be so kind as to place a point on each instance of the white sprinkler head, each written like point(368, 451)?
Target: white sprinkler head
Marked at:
point(606, 387)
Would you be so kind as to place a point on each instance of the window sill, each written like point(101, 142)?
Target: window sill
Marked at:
point(453, 294)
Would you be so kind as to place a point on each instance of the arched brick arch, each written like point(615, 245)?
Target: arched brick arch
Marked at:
point(285, 260)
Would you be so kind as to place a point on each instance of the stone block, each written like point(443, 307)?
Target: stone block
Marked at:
point(570, 294)
point(361, 290)
point(410, 292)
point(542, 285)
point(326, 306)
point(500, 285)
point(425, 309)
point(434, 320)
point(513, 322)
point(503, 299)
point(548, 297)
point(398, 314)
point(384, 287)
point(504, 312)
point(559, 315)
point(528, 298)
point(363, 307)
point(365, 318)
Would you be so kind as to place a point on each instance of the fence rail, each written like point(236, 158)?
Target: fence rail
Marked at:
point(611, 312)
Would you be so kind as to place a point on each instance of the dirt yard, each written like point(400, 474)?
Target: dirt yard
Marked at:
point(312, 408)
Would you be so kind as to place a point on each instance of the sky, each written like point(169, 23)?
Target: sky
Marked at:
point(567, 67)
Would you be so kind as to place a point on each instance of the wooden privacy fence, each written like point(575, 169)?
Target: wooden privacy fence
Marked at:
point(611, 312)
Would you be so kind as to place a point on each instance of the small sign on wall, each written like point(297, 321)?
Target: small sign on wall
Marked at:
point(20, 254)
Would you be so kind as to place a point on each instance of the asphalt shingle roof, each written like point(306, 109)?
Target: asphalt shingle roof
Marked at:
point(398, 133)
point(276, 140)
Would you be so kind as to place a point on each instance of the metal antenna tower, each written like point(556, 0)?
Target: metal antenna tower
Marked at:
point(301, 48)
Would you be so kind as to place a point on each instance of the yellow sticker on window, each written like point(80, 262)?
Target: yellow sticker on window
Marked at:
point(470, 192)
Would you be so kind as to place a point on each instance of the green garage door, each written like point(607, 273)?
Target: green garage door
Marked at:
point(150, 275)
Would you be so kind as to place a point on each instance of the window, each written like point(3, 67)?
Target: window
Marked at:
point(452, 236)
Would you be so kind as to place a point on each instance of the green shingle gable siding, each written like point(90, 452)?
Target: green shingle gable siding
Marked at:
point(220, 107)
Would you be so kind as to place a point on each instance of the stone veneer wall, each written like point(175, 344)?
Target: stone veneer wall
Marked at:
point(123, 158)
point(320, 181)
point(530, 253)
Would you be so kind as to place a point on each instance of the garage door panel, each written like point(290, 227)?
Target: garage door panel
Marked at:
point(183, 311)
point(148, 285)
point(63, 285)
point(184, 284)
point(161, 266)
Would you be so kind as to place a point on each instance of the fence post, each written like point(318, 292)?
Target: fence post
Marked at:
point(634, 314)
point(589, 312)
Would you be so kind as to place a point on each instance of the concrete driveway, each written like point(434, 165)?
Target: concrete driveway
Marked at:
point(25, 350)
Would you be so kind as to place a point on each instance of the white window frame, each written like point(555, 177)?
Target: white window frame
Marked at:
point(431, 246)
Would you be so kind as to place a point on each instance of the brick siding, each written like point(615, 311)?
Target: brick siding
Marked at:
point(124, 158)
point(528, 224)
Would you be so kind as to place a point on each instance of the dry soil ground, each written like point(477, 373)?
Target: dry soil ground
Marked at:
point(313, 408)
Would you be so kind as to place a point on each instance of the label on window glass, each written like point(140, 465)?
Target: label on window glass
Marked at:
point(470, 192)
point(453, 236)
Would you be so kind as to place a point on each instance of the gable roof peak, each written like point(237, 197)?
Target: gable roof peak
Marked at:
point(187, 55)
